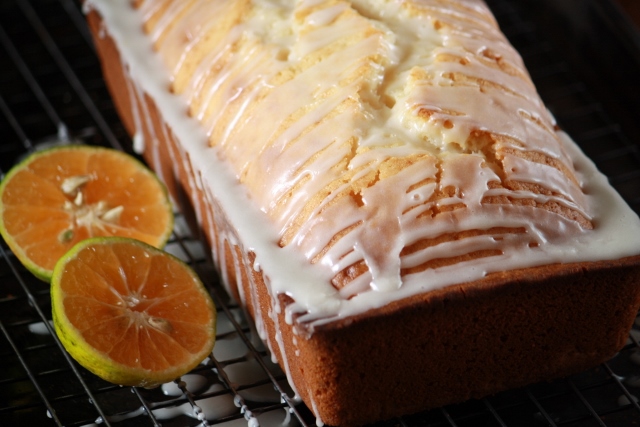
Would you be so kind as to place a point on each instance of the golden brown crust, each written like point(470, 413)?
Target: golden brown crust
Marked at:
point(465, 341)
point(468, 341)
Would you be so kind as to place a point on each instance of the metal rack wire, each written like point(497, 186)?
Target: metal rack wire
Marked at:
point(51, 89)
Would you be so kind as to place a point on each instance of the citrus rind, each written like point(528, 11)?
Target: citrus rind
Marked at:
point(100, 363)
point(164, 211)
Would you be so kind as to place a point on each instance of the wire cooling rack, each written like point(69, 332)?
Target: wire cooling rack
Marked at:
point(51, 89)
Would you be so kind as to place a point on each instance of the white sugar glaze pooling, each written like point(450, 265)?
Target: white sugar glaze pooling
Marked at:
point(411, 83)
point(388, 131)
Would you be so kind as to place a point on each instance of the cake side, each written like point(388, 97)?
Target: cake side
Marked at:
point(333, 388)
point(469, 342)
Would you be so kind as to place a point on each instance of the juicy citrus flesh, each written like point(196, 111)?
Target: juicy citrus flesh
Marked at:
point(130, 313)
point(55, 198)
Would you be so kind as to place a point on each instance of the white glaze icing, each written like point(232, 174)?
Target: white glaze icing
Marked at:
point(411, 80)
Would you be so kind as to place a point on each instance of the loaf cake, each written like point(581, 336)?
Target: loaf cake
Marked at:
point(382, 189)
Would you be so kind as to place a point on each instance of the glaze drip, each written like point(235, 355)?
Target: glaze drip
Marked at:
point(394, 121)
point(384, 148)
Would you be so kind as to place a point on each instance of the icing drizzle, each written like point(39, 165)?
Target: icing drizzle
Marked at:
point(365, 151)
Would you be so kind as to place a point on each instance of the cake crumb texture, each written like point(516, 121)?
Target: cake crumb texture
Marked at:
point(382, 138)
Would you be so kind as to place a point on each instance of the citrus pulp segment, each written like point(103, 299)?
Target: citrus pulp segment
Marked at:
point(57, 197)
point(131, 313)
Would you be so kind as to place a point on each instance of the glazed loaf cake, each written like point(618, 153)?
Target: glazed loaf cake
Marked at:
point(383, 190)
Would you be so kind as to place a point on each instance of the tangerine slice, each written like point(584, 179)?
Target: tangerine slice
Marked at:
point(57, 197)
point(131, 313)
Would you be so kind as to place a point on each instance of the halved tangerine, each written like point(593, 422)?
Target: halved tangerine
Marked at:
point(130, 313)
point(57, 197)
